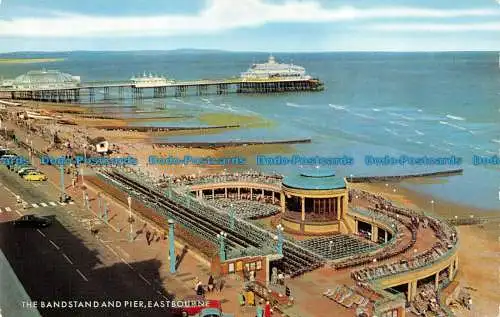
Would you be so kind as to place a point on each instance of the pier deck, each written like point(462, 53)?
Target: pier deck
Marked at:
point(94, 91)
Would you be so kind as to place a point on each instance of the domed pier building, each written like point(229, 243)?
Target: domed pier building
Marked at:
point(46, 85)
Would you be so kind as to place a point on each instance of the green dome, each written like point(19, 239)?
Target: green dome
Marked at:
point(314, 179)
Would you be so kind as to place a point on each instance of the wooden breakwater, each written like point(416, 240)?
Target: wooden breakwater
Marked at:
point(111, 117)
point(468, 221)
point(377, 179)
point(163, 129)
point(229, 143)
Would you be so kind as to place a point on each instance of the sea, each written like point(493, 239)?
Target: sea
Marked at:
point(374, 104)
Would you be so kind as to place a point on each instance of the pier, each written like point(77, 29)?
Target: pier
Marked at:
point(92, 92)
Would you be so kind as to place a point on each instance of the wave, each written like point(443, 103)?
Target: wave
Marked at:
point(452, 125)
point(205, 100)
point(452, 117)
point(420, 110)
point(361, 115)
point(294, 105)
point(391, 131)
point(398, 123)
point(376, 109)
point(419, 142)
point(448, 143)
point(419, 132)
point(495, 141)
point(398, 115)
point(336, 107)
point(177, 99)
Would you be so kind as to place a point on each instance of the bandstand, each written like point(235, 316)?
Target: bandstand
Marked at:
point(314, 202)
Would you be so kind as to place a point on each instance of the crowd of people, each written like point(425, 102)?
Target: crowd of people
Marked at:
point(249, 176)
point(413, 220)
point(246, 209)
point(427, 301)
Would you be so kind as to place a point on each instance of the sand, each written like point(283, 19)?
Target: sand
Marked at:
point(29, 60)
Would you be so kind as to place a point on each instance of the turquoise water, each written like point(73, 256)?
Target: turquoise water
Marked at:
point(432, 104)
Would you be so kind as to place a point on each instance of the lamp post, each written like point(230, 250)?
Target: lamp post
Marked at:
point(231, 217)
point(63, 194)
point(130, 219)
point(350, 178)
point(432, 206)
point(330, 246)
point(171, 227)
point(221, 237)
point(99, 204)
point(279, 244)
point(105, 213)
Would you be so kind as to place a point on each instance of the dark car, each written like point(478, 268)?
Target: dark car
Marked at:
point(32, 221)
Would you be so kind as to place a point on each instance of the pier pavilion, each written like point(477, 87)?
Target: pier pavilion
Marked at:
point(314, 202)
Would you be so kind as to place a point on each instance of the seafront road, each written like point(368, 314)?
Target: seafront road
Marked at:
point(68, 262)
point(64, 262)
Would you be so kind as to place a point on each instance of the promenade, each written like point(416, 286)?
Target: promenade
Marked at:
point(111, 240)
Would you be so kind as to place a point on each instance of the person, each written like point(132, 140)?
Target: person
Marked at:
point(267, 309)
point(221, 283)
point(252, 276)
point(148, 237)
point(199, 288)
point(250, 298)
point(210, 283)
point(260, 309)
point(241, 299)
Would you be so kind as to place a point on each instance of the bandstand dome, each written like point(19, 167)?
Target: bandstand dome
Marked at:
point(314, 179)
point(46, 79)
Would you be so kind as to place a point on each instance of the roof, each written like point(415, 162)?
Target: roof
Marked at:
point(314, 179)
point(46, 79)
point(210, 312)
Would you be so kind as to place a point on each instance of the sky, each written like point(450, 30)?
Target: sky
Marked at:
point(250, 25)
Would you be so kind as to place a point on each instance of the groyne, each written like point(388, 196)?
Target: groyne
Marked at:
point(378, 179)
point(163, 129)
point(229, 143)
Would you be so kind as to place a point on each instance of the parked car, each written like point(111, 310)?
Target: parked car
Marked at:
point(32, 221)
point(4, 151)
point(35, 176)
point(20, 166)
point(212, 312)
point(25, 169)
point(193, 310)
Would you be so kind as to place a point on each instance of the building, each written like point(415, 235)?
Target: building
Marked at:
point(45, 80)
point(314, 202)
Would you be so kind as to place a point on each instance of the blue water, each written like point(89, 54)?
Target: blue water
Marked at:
point(432, 104)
